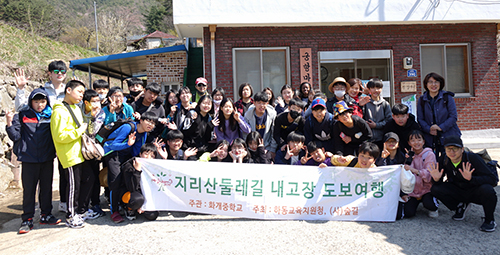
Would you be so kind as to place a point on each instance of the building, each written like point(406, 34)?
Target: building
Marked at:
point(272, 43)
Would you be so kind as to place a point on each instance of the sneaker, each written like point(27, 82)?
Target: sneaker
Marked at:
point(26, 226)
point(90, 214)
point(433, 214)
point(63, 207)
point(75, 222)
point(97, 208)
point(116, 217)
point(130, 215)
point(462, 209)
point(488, 226)
point(49, 220)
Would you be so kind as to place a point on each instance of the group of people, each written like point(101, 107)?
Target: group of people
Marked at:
point(356, 128)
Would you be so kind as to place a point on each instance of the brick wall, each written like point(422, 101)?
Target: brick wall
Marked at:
point(166, 67)
point(478, 112)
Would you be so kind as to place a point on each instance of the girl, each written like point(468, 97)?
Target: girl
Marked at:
point(270, 94)
point(217, 95)
point(171, 100)
point(282, 101)
point(117, 109)
point(218, 155)
point(200, 132)
point(245, 92)
point(184, 114)
point(424, 158)
point(239, 152)
point(258, 152)
point(230, 124)
point(305, 88)
point(358, 98)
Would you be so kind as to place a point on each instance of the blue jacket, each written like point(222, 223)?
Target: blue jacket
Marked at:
point(126, 112)
point(446, 115)
point(30, 132)
point(119, 141)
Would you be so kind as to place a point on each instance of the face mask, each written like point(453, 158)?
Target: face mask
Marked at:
point(339, 93)
point(102, 96)
point(135, 93)
point(217, 102)
point(294, 114)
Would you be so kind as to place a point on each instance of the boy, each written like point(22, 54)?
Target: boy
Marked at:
point(291, 121)
point(150, 102)
point(67, 138)
point(130, 189)
point(339, 88)
point(174, 142)
point(136, 89)
point(349, 131)
point(293, 151)
point(201, 88)
point(123, 143)
point(317, 158)
point(469, 181)
point(102, 88)
point(94, 116)
point(319, 126)
point(30, 130)
point(261, 117)
point(402, 123)
point(367, 154)
point(377, 112)
point(392, 154)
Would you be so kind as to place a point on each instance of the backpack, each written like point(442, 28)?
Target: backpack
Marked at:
point(103, 133)
point(491, 164)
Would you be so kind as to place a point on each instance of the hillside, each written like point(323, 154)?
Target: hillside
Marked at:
point(33, 53)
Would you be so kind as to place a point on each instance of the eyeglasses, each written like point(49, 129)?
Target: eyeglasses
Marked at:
point(59, 71)
point(116, 97)
point(201, 85)
point(452, 149)
point(433, 82)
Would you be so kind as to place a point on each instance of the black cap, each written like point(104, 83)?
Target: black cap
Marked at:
point(453, 140)
point(391, 135)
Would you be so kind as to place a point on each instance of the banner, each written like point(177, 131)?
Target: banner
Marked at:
point(262, 191)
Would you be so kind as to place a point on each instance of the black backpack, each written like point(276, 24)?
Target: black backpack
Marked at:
point(491, 164)
point(103, 133)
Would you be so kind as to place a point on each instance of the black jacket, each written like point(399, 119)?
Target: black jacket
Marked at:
point(402, 132)
point(360, 126)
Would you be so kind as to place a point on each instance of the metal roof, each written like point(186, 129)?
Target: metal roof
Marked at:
point(122, 65)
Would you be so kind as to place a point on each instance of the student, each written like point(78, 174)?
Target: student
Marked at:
point(270, 95)
point(367, 154)
point(67, 138)
point(261, 117)
point(94, 116)
point(318, 94)
point(231, 124)
point(200, 133)
point(319, 126)
point(469, 181)
point(402, 123)
point(171, 101)
point(290, 121)
point(102, 88)
point(293, 151)
point(305, 88)
point(245, 92)
point(174, 142)
point(201, 88)
point(130, 189)
point(117, 109)
point(136, 89)
point(218, 155)
point(239, 152)
point(55, 86)
point(184, 114)
point(283, 100)
point(350, 131)
point(393, 155)
point(217, 95)
point(30, 130)
point(377, 112)
point(355, 92)
point(122, 144)
point(339, 88)
point(256, 148)
point(150, 102)
point(317, 158)
point(422, 160)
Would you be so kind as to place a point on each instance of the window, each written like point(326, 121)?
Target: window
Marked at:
point(261, 67)
point(452, 61)
point(166, 86)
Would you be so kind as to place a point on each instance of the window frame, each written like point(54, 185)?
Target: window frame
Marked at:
point(445, 67)
point(260, 49)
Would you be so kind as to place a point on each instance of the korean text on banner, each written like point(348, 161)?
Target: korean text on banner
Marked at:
point(271, 191)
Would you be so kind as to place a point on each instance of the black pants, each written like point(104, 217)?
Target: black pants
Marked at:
point(63, 183)
point(34, 174)
point(409, 209)
point(96, 186)
point(114, 179)
point(451, 195)
point(80, 181)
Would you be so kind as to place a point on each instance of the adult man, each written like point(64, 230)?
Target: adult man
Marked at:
point(469, 180)
point(201, 89)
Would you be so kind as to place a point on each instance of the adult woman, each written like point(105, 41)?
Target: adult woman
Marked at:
point(117, 108)
point(437, 112)
point(245, 92)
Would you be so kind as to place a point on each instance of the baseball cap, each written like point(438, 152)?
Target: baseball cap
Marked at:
point(318, 102)
point(201, 80)
point(391, 135)
point(453, 140)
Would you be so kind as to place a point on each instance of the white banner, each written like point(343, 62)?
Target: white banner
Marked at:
point(271, 191)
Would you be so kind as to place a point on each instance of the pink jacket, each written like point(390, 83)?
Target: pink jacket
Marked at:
point(422, 162)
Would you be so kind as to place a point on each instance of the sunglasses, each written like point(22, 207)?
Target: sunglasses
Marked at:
point(201, 85)
point(59, 71)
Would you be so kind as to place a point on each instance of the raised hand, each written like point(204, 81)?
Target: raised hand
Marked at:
point(466, 172)
point(190, 152)
point(385, 152)
point(137, 165)
point(216, 122)
point(289, 153)
point(172, 126)
point(305, 158)
point(131, 139)
point(9, 116)
point(237, 115)
point(363, 101)
point(21, 79)
point(136, 115)
point(279, 100)
point(435, 172)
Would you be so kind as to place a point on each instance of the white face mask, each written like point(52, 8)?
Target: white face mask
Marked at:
point(102, 96)
point(217, 102)
point(339, 93)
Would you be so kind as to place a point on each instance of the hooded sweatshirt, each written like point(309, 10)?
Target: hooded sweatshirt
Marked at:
point(423, 181)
